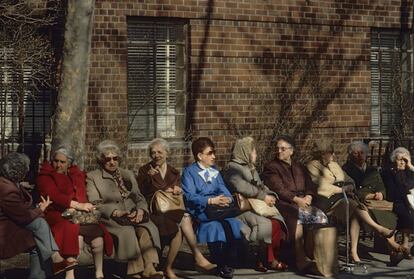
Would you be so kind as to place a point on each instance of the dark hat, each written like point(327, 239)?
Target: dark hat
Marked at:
point(288, 139)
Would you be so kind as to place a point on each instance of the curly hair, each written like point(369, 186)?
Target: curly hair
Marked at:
point(398, 151)
point(14, 166)
point(158, 141)
point(105, 147)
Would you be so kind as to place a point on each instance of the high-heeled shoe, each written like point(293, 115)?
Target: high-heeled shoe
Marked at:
point(279, 266)
point(260, 267)
point(395, 258)
point(206, 269)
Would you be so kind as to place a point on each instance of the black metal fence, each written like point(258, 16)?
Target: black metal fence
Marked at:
point(381, 148)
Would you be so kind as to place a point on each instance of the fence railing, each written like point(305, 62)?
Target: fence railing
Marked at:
point(381, 148)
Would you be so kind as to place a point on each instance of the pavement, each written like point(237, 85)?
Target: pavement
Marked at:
point(375, 263)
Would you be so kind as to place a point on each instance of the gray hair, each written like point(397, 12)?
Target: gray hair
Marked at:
point(398, 151)
point(159, 141)
point(14, 166)
point(105, 147)
point(358, 144)
point(65, 151)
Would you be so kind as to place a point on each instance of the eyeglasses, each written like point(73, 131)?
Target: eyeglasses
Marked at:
point(108, 159)
point(211, 152)
point(282, 148)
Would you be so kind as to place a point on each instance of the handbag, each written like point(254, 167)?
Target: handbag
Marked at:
point(82, 217)
point(125, 221)
point(263, 209)
point(215, 212)
point(164, 201)
point(242, 202)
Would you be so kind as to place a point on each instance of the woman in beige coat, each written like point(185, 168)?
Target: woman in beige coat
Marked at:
point(331, 181)
point(124, 213)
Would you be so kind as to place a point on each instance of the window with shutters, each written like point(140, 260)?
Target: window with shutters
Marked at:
point(156, 79)
point(391, 78)
point(25, 111)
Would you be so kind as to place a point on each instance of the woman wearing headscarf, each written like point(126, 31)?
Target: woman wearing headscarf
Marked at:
point(158, 175)
point(400, 182)
point(242, 177)
point(125, 213)
point(332, 181)
point(64, 183)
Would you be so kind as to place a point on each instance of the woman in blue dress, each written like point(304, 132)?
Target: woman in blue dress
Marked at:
point(204, 188)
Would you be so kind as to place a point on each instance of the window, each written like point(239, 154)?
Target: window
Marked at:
point(391, 79)
point(24, 112)
point(156, 79)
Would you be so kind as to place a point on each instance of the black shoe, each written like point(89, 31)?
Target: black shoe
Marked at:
point(225, 272)
point(395, 258)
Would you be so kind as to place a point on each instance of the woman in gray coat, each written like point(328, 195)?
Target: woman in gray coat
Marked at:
point(124, 213)
point(242, 177)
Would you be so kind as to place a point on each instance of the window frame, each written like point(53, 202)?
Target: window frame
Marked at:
point(181, 65)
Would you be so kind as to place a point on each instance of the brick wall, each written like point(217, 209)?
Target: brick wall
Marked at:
point(252, 62)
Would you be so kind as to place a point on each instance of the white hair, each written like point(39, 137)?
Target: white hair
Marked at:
point(105, 147)
point(159, 141)
point(398, 151)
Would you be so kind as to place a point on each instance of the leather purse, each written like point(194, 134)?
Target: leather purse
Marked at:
point(82, 217)
point(164, 201)
point(215, 212)
point(242, 202)
point(125, 221)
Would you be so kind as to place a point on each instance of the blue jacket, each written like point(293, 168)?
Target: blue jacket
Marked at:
point(197, 192)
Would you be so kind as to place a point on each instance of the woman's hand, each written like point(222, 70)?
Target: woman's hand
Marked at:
point(220, 201)
point(308, 199)
point(137, 216)
point(85, 206)
point(152, 171)
point(270, 200)
point(407, 160)
point(44, 203)
point(301, 202)
point(119, 213)
point(177, 190)
point(378, 196)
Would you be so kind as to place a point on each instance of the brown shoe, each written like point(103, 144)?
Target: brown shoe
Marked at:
point(63, 266)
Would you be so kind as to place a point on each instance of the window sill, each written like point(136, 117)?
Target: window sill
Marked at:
point(174, 144)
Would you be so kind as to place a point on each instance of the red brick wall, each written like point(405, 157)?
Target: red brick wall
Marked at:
point(247, 58)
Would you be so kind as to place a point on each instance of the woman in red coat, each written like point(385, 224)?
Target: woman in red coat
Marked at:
point(64, 183)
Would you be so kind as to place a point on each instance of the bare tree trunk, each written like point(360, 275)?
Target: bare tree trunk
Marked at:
point(70, 116)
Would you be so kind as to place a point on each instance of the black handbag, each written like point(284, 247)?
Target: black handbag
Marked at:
point(215, 212)
point(125, 221)
point(324, 203)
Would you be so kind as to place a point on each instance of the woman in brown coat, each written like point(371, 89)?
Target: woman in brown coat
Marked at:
point(155, 176)
point(291, 182)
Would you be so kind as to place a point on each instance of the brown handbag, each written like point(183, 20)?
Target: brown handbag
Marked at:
point(164, 201)
point(242, 202)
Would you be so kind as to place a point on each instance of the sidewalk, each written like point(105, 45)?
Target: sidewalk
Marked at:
point(376, 264)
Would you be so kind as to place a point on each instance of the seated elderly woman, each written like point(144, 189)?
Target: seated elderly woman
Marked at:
point(400, 182)
point(156, 176)
point(125, 212)
point(331, 181)
point(64, 183)
point(207, 197)
point(369, 186)
point(242, 177)
point(22, 227)
point(290, 180)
